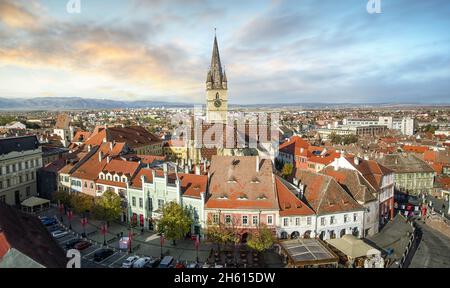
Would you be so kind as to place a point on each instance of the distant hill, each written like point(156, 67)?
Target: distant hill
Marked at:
point(76, 103)
point(71, 103)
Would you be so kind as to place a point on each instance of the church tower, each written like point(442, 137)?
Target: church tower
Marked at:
point(216, 89)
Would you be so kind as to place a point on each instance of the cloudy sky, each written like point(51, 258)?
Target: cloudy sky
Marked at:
point(273, 51)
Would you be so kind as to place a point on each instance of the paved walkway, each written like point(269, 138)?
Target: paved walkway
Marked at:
point(148, 243)
point(433, 250)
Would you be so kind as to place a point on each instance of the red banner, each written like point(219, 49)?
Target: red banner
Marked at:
point(104, 229)
point(197, 241)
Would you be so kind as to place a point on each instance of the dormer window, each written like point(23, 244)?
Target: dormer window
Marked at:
point(261, 197)
point(124, 179)
point(108, 177)
point(243, 197)
point(102, 176)
point(223, 196)
point(255, 180)
point(116, 178)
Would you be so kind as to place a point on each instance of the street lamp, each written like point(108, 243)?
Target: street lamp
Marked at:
point(104, 230)
point(197, 244)
point(84, 222)
point(161, 242)
point(70, 216)
point(130, 235)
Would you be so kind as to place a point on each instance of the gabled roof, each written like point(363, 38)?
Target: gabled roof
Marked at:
point(371, 170)
point(353, 183)
point(235, 183)
point(193, 185)
point(134, 136)
point(290, 204)
point(293, 145)
point(324, 195)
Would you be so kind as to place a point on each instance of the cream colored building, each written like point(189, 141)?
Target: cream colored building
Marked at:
point(20, 158)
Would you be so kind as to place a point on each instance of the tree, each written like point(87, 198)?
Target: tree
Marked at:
point(222, 234)
point(261, 239)
point(175, 222)
point(62, 198)
point(82, 203)
point(287, 170)
point(108, 207)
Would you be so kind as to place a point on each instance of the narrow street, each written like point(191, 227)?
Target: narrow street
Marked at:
point(433, 250)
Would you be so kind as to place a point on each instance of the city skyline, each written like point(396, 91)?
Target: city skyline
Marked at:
point(273, 52)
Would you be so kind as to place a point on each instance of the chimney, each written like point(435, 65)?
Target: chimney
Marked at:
point(111, 146)
point(186, 169)
point(301, 190)
point(336, 165)
point(100, 156)
point(108, 159)
point(295, 181)
point(165, 168)
point(205, 165)
point(366, 157)
point(197, 169)
point(356, 160)
point(257, 164)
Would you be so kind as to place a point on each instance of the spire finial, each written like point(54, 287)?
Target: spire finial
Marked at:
point(215, 31)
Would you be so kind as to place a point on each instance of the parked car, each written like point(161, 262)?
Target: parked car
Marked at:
point(180, 265)
point(153, 263)
point(59, 234)
point(141, 262)
point(166, 262)
point(71, 244)
point(54, 228)
point(49, 222)
point(102, 254)
point(128, 263)
point(81, 245)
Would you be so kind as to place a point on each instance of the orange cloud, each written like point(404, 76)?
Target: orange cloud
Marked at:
point(15, 16)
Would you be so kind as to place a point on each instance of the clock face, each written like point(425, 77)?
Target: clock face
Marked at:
point(217, 103)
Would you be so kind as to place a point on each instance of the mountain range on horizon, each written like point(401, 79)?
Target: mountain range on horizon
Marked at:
point(79, 103)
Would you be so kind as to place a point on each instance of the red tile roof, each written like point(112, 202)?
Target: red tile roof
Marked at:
point(192, 185)
point(235, 183)
point(290, 204)
point(415, 149)
point(324, 194)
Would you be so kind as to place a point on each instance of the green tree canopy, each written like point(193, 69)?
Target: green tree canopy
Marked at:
point(81, 203)
point(287, 170)
point(108, 207)
point(261, 239)
point(175, 222)
point(63, 197)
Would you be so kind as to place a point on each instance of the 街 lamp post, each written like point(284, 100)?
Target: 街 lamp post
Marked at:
point(161, 242)
point(70, 216)
point(84, 222)
point(104, 230)
point(197, 244)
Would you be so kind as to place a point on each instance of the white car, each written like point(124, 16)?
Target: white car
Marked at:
point(59, 234)
point(129, 262)
point(140, 263)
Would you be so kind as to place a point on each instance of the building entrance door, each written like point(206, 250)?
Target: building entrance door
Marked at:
point(17, 197)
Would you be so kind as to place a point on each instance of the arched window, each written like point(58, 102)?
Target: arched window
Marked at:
point(217, 95)
point(108, 177)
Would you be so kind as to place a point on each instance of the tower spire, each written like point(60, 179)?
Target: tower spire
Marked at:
point(216, 66)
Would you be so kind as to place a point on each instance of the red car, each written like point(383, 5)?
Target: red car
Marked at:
point(82, 245)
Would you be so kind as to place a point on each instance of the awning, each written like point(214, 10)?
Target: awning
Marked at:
point(353, 247)
point(34, 201)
